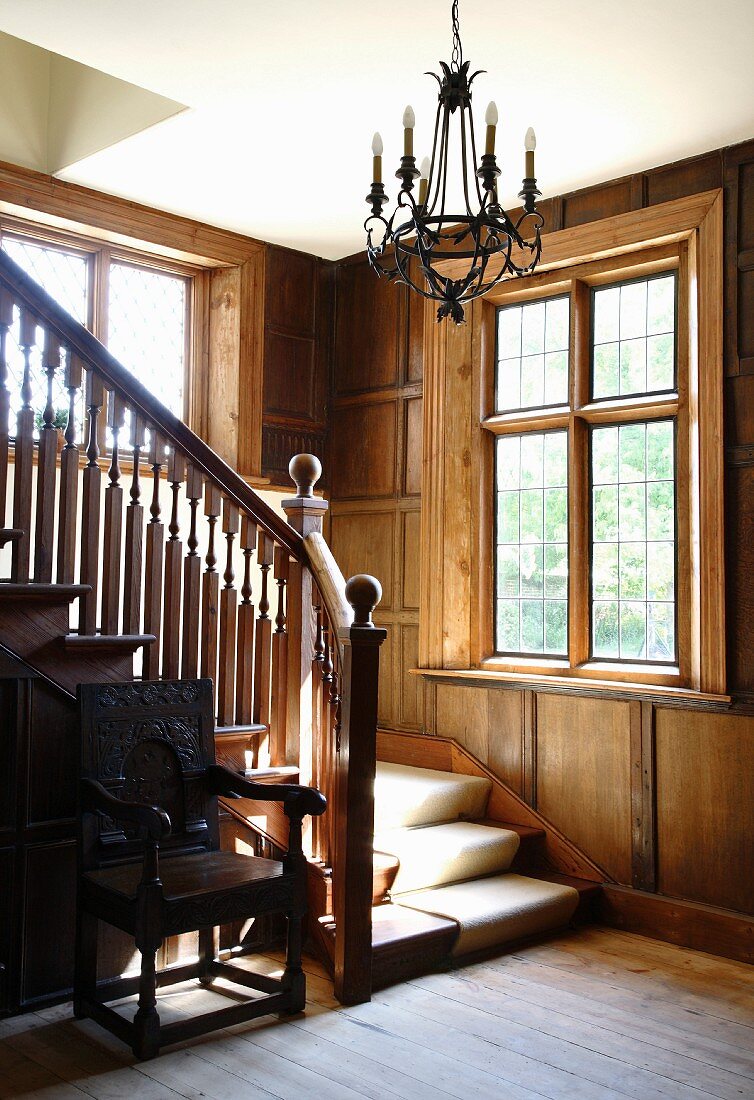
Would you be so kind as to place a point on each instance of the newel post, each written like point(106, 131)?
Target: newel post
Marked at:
point(354, 842)
point(305, 513)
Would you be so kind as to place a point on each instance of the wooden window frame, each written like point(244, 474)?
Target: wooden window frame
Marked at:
point(100, 254)
point(457, 552)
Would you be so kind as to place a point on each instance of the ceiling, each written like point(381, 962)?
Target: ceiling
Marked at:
point(283, 98)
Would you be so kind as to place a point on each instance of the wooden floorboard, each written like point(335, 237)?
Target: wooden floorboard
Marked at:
point(595, 1014)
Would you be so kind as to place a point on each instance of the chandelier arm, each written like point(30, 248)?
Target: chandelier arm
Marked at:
point(432, 202)
point(474, 160)
point(444, 166)
point(464, 162)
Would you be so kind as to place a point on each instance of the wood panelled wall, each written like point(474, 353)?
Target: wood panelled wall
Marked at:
point(660, 796)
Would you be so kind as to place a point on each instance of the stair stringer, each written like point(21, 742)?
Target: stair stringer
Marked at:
point(419, 750)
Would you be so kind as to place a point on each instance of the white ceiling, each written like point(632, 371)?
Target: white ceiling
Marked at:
point(283, 97)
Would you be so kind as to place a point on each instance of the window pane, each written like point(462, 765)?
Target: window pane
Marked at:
point(532, 355)
point(531, 553)
point(634, 337)
point(633, 542)
point(147, 329)
point(65, 277)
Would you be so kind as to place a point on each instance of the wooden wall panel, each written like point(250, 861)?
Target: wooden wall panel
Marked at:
point(290, 290)
point(7, 910)
point(363, 542)
point(368, 353)
point(409, 559)
point(705, 808)
point(409, 687)
point(584, 776)
point(412, 472)
point(504, 741)
point(289, 381)
point(739, 574)
point(689, 177)
point(597, 202)
point(50, 874)
point(363, 452)
point(461, 713)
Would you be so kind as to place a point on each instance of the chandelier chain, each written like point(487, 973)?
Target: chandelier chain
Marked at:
point(457, 55)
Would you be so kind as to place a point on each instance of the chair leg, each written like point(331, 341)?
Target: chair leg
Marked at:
point(146, 1042)
point(207, 955)
point(294, 979)
point(85, 969)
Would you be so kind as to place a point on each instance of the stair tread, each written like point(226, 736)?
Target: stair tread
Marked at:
point(495, 910)
point(406, 796)
point(396, 926)
point(526, 832)
point(434, 855)
point(54, 593)
point(107, 641)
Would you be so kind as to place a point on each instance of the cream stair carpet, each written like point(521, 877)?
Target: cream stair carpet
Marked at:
point(453, 867)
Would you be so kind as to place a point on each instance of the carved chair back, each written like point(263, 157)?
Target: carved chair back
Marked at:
point(149, 742)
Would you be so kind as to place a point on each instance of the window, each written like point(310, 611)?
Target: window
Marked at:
point(590, 384)
point(139, 310)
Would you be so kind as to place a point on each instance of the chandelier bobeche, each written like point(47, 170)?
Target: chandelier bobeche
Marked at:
point(422, 235)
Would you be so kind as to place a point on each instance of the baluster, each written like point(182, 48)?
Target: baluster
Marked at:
point(210, 587)
point(134, 534)
point(245, 646)
point(228, 614)
point(90, 508)
point(192, 579)
point(319, 749)
point(263, 642)
point(69, 477)
point(173, 556)
point(24, 457)
point(278, 708)
point(155, 554)
point(6, 320)
point(333, 752)
point(44, 538)
point(116, 419)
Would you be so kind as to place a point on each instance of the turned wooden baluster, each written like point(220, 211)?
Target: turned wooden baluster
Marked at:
point(279, 701)
point(245, 645)
point(134, 534)
point(90, 508)
point(155, 554)
point(263, 642)
point(69, 478)
point(44, 537)
point(24, 457)
point(6, 320)
point(319, 778)
point(228, 614)
point(112, 539)
point(171, 617)
point(192, 579)
point(210, 586)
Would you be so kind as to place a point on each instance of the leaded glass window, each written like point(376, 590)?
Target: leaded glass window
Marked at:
point(633, 346)
point(532, 355)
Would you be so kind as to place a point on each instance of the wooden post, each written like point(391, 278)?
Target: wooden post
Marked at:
point(356, 762)
point(245, 639)
point(6, 320)
point(192, 577)
point(171, 616)
point(112, 549)
point(154, 562)
point(90, 508)
point(24, 457)
point(47, 469)
point(226, 677)
point(69, 477)
point(305, 513)
point(134, 534)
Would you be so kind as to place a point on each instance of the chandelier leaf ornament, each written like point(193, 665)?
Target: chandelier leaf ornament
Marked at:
point(420, 236)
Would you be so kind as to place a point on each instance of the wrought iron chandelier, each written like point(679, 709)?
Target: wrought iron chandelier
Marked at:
point(422, 235)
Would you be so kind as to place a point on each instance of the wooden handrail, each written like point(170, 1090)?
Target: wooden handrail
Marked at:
point(115, 376)
point(330, 582)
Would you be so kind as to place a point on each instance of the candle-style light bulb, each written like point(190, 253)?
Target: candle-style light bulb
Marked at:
point(490, 117)
point(423, 181)
point(409, 121)
point(530, 144)
point(377, 158)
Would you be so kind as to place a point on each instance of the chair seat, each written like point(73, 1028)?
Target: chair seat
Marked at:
point(188, 876)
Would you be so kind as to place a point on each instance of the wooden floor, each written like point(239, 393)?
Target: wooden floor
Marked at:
point(595, 1013)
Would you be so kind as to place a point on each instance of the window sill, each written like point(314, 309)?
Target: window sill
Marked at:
point(553, 683)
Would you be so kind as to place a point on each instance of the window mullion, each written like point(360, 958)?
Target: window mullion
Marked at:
point(579, 511)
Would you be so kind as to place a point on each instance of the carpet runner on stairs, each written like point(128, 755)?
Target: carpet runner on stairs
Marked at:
point(454, 868)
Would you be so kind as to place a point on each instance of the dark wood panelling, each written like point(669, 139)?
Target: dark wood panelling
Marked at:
point(289, 376)
point(290, 290)
point(746, 207)
point(597, 202)
point(705, 809)
point(363, 452)
point(739, 574)
point(364, 543)
point(689, 177)
point(412, 477)
point(370, 331)
point(746, 312)
point(7, 910)
point(409, 560)
point(53, 757)
point(280, 444)
point(49, 919)
point(584, 776)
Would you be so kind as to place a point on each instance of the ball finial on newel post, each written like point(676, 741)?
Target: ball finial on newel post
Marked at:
point(305, 471)
point(363, 593)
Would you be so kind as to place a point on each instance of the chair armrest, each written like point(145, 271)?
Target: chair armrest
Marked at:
point(297, 801)
point(95, 798)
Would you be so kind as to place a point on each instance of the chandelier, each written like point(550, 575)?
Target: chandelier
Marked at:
point(420, 235)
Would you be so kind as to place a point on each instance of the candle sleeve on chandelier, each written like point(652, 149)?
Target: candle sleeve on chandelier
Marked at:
point(377, 159)
point(423, 181)
point(490, 117)
point(409, 121)
point(530, 144)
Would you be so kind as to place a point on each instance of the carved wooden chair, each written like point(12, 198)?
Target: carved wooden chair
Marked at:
point(150, 860)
